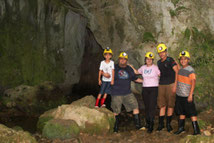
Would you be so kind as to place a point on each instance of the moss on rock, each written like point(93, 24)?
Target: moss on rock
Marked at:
point(60, 129)
point(8, 135)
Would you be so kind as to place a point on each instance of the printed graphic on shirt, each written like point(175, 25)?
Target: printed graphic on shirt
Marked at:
point(147, 71)
point(122, 74)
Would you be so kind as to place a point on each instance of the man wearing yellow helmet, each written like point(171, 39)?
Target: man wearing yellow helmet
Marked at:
point(185, 105)
point(106, 67)
point(150, 74)
point(167, 86)
point(121, 93)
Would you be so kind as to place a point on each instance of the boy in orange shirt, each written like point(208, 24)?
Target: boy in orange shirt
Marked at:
point(185, 105)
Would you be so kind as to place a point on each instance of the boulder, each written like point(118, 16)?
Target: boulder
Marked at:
point(8, 135)
point(33, 99)
point(60, 129)
point(89, 119)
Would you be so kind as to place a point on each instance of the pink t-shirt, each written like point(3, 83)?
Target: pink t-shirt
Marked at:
point(150, 75)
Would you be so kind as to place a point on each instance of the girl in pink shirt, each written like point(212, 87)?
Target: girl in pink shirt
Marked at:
point(150, 74)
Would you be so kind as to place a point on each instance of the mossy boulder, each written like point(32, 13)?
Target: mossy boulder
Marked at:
point(33, 99)
point(197, 139)
point(8, 135)
point(61, 129)
point(89, 119)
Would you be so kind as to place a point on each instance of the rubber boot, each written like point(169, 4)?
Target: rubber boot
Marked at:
point(102, 102)
point(137, 121)
point(168, 121)
point(116, 124)
point(147, 123)
point(181, 124)
point(150, 129)
point(195, 128)
point(97, 103)
point(161, 123)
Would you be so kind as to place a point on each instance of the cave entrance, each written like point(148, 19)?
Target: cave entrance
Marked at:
point(93, 55)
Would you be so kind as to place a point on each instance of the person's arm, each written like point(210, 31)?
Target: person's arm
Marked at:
point(112, 80)
point(190, 97)
point(99, 77)
point(139, 80)
point(135, 71)
point(175, 68)
point(179, 67)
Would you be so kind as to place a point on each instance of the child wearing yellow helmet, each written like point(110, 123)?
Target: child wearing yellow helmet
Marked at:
point(150, 74)
point(185, 105)
point(106, 67)
point(167, 86)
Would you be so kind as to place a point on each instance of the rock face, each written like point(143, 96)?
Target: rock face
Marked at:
point(50, 39)
point(41, 40)
point(83, 113)
point(32, 100)
point(137, 26)
point(8, 135)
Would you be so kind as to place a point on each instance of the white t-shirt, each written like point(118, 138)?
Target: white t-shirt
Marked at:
point(107, 68)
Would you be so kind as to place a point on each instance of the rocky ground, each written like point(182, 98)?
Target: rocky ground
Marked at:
point(129, 134)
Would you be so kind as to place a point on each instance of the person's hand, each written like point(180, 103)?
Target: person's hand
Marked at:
point(189, 99)
point(99, 82)
point(107, 75)
point(174, 88)
point(112, 82)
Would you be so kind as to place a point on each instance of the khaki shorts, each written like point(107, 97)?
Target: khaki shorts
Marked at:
point(165, 96)
point(129, 101)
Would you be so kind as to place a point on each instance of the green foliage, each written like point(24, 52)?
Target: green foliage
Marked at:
point(187, 34)
point(177, 11)
point(148, 37)
point(175, 2)
point(202, 124)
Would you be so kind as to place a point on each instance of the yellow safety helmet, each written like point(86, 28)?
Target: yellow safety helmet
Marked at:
point(161, 48)
point(185, 54)
point(150, 55)
point(107, 50)
point(123, 55)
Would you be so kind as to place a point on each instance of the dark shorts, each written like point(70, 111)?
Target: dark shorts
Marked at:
point(129, 101)
point(165, 96)
point(105, 88)
point(183, 107)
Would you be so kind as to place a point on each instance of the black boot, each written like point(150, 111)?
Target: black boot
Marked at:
point(168, 121)
point(147, 123)
point(181, 124)
point(116, 128)
point(161, 123)
point(137, 121)
point(150, 129)
point(195, 128)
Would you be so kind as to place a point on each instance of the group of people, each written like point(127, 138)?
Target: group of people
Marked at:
point(168, 85)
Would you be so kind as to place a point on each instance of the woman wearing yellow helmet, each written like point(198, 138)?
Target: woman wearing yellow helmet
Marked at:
point(150, 74)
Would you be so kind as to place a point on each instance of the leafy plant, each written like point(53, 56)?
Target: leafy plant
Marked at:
point(147, 37)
